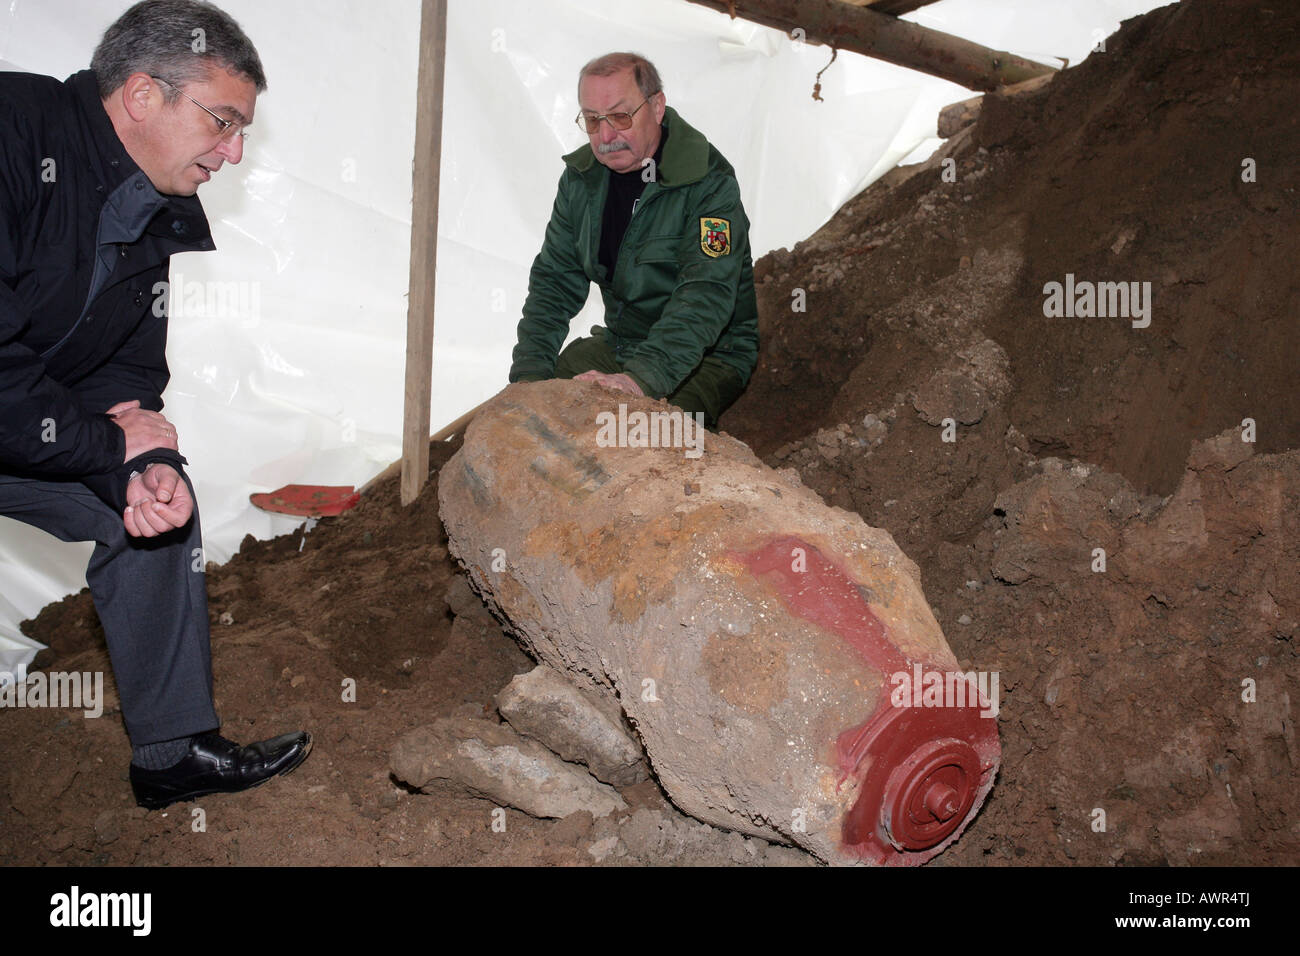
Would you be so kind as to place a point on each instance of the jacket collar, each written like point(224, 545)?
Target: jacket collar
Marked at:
point(685, 159)
point(132, 205)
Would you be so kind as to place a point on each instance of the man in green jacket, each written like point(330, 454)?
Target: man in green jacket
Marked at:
point(651, 213)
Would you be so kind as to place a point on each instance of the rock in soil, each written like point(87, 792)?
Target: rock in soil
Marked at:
point(553, 710)
point(494, 761)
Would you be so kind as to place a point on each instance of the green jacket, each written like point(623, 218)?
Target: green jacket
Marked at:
point(670, 302)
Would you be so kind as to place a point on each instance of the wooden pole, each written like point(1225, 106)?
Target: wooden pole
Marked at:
point(895, 8)
point(424, 248)
point(957, 116)
point(871, 33)
point(446, 433)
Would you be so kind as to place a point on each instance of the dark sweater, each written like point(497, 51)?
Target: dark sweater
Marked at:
point(624, 192)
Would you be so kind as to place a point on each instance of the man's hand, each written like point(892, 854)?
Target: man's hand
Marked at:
point(145, 430)
point(158, 501)
point(619, 382)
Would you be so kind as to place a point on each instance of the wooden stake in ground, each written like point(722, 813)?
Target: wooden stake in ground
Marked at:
point(446, 433)
point(864, 30)
point(424, 248)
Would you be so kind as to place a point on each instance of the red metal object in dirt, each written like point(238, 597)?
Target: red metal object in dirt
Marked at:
point(924, 767)
point(308, 501)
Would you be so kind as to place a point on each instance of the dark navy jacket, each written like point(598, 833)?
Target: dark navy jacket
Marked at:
point(85, 242)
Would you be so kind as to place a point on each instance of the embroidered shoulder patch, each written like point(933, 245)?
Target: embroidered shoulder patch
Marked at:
point(715, 237)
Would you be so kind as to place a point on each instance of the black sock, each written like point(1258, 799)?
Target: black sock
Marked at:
point(160, 756)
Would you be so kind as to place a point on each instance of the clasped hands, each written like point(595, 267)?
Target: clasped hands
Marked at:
point(157, 500)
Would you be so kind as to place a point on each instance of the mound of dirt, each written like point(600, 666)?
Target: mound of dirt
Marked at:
point(1127, 168)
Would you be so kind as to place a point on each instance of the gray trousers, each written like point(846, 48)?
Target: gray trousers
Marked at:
point(152, 601)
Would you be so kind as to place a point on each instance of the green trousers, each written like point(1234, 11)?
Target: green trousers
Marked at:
point(710, 389)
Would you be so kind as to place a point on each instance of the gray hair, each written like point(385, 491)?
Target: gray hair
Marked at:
point(647, 77)
point(178, 40)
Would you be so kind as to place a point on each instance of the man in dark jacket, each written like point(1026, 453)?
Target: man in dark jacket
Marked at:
point(651, 213)
point(98, 177)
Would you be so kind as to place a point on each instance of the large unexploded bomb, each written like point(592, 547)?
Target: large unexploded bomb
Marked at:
point(776, 655)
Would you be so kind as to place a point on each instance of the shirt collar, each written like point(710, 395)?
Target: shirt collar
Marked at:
point(132, 204)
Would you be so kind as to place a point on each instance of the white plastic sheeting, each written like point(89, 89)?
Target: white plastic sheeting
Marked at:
point(287, 344)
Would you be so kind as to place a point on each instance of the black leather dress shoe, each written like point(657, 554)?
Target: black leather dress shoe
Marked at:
point(217, 765)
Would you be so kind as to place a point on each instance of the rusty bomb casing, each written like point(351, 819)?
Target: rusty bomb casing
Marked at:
point(776, 656)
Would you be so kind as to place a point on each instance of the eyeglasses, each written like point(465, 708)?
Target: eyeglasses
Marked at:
point(227, 129)
point(620, 121)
